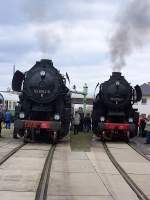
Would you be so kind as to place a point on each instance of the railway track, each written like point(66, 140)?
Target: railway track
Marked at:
point(139, 151)
point(140, 194)
point(9, 154)
point(83, 175)
point(130, 182)
point(41, 193)
point(69, 173)
point(24, 165)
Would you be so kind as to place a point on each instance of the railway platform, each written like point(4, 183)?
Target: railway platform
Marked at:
point(74, 174)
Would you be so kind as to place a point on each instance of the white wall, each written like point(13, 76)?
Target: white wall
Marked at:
point(88, 107)
point(144, 108)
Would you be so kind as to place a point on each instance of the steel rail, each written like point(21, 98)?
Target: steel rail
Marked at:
point(41, 193)
point(139, 152)
point(140, 194)
point(13, 151)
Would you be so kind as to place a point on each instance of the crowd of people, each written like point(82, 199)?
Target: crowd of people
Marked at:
point(5, 120)
point(81, 122)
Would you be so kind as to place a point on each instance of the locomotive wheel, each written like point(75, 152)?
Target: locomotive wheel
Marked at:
point(102, 139)
point(53, 137)
point(26, 134)
point(25, 140)
point(103, 136)
point(15, 132)
point(127, 137)
point(32, 135)
point(107, 136)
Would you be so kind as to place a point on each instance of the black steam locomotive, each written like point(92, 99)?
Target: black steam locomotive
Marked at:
point(113, 113)
point(45, 103)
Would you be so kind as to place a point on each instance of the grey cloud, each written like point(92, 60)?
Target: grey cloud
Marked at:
point(133, 32)
point(40, 12)
point(13, 48)
point(11, 12)
point(68, 10)
point(17, 11)
point(19, 45)
point(77, 59)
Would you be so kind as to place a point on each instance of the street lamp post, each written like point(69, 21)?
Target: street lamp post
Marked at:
point(85, 92)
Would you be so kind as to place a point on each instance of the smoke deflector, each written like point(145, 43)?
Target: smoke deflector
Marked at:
point(17, 81)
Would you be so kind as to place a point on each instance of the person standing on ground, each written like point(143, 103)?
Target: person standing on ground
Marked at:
point(81, 113)
point(1, 119)
point(147, 129)
point(76, 122)
point(142, 127)
point(8, 119)
point(87, 123)
point(16, 116)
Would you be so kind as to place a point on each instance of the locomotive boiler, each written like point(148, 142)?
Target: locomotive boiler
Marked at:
point(113, 113)
point(44, 108)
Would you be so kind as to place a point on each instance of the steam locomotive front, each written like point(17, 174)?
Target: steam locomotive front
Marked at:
point(113, 113)
point(44, 106)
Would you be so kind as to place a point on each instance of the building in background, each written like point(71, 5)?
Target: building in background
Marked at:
point(77, 102)
point(144, 105)
point(10, 100)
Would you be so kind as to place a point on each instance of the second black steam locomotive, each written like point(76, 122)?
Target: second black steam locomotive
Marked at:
point(45, 102)
point(113, 112)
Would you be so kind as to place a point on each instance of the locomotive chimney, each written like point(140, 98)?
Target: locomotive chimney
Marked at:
point(46, 62)
point(116, 74)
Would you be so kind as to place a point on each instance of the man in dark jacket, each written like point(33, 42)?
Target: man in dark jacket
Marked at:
point(1, 119)
point(81, 119)
point(142, 127)
point(87, 123)
point(16, 116)
point(8, 119)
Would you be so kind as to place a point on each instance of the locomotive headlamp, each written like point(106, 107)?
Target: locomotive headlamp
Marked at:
point(57, 117)
point(102, 119)
point(42, 73)
point(21, 115)
point(130, 120)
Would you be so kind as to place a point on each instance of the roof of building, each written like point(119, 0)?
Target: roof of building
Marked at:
point(145, 89)
point(80, 96)
point(10, 96)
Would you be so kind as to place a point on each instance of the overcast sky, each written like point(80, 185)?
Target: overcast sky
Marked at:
point(75, 34)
